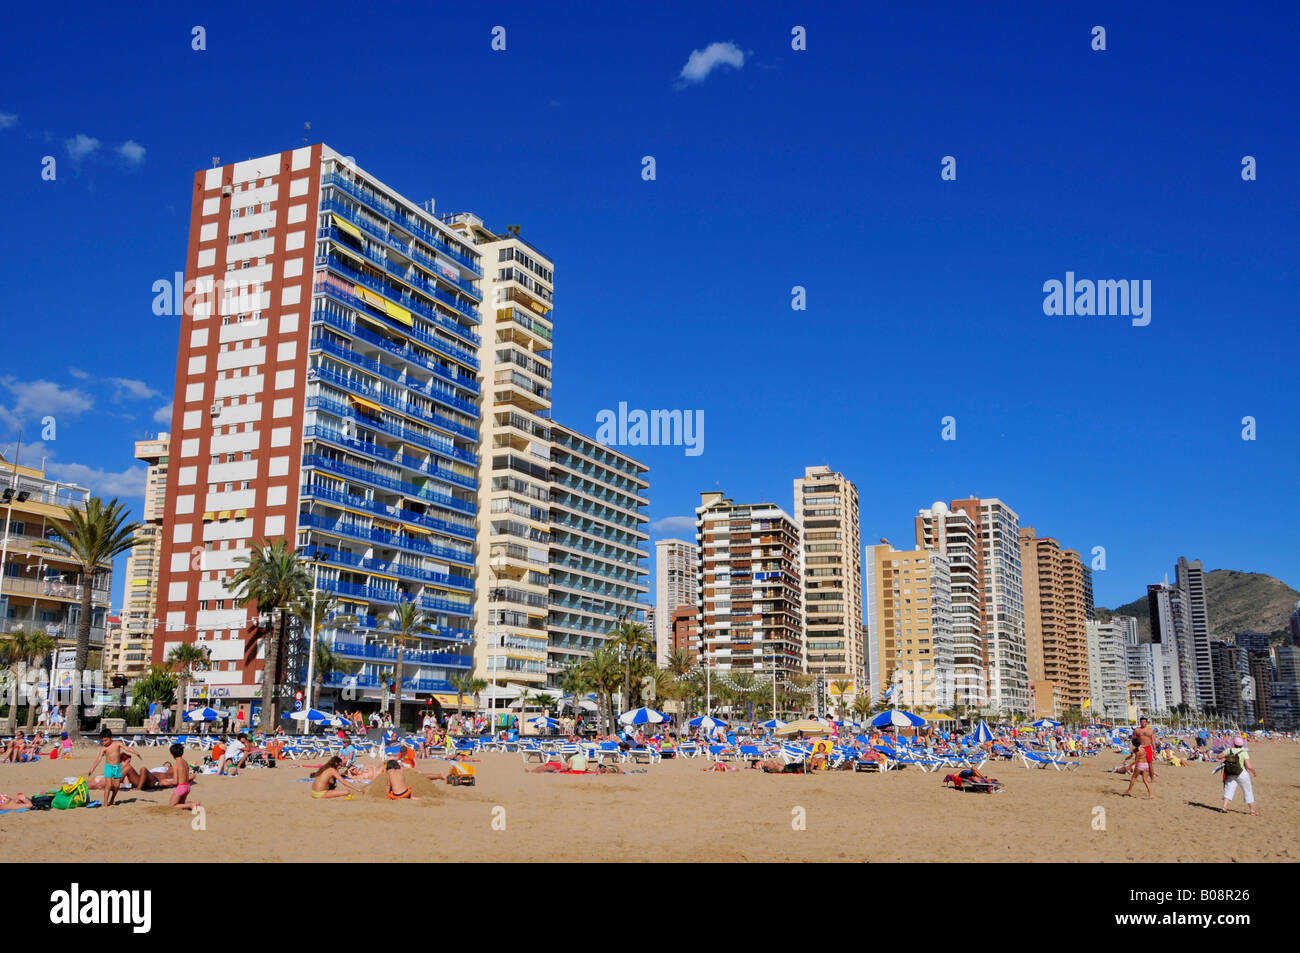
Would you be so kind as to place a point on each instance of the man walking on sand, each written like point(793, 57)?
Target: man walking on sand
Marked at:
point(1144, 758)
point(1146, 739)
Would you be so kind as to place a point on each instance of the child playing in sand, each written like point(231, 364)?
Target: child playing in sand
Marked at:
point(398, 789)
point(181, 772)
point(110, 752)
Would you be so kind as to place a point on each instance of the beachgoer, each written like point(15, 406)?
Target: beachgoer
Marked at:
point(1237, 770)
point(110, 752)
point(328, 782)
point(1146, 737)
point(180, 773)
point(1141, 767)
point(398, 789)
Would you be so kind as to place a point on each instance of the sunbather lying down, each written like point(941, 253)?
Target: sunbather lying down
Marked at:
point(14, 802)
point(772, 766)
point(970, 779)
point(578, 764)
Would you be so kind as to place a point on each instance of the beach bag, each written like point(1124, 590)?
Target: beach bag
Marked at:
point(1232, 764)
point(42, 802)
point(74, 794)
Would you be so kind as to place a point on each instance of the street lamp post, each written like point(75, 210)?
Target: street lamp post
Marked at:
point(496, 567)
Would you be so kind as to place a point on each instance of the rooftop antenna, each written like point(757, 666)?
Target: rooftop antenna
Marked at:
point(306, 128)
point(216, 161)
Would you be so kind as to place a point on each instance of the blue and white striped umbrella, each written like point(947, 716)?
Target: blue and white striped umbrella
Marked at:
point(983, 733)
point(1047, 723)
point(309, 714)
point(704, 721)
point(201, 714)
point(547, 722)
point(642, 716)
point(773, 723)
point(895, 718)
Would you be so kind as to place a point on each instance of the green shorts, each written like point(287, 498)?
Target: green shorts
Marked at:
point(113, 771)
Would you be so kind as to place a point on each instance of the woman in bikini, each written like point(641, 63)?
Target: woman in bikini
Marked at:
point(327, 782)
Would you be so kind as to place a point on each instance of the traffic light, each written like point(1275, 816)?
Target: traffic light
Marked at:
point(119, 681)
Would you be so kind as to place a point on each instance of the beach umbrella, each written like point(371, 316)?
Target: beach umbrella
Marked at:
point(309, 714)
point(704, 721)
point(809, 726)
point(201, 714)
point(894, 718)
point(642, 716)
point(771, 723)
point(1047, 723)
point(547, 722)
point(983, 733)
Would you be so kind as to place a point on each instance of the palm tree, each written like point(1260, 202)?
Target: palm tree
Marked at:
point(18, 650)
point(182, 659)
point(861, 707)
point(405, 624)
point(157, 686)
point(318, 610)
point(632, 639)
point(462, 681)
point(475, 687)
point(39, 646)
point(603, 671)
point(841, 687)
point(92, 538)
point(573, 683)
point(273, 579)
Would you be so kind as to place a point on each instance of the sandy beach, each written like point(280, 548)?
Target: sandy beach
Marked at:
point(677, 812)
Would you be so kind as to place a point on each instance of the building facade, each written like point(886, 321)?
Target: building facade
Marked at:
point(751, 590)
point(1056, 619)
point(131, 652)
point(955, 535)
point(1189, 577)
point(676, 584)
point(909, 621)
point(826, 505)
point(327, 394)
point(1108, 674)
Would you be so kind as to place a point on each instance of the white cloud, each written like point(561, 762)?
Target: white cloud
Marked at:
point(681, 527)
point(163, 415)
point(131, 151)
point(78, 373)
point(703, 62)
point(7, 120)
point(125, 388)
point(36, 399)
point(80, 146)
point(130, 483)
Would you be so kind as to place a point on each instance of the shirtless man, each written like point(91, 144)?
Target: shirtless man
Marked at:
point(1146, 739)
point(1141, 766)
point(110, 752)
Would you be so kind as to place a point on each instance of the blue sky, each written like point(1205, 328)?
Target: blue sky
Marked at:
point(818, 168)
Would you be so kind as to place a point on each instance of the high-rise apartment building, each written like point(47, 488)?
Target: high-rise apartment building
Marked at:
point(40, 590)
point(131, 652)
point(676, 584)
point(751, 588)
point(1228, 665)
point(909, 625)
point(1056, 618)
point(1004, 609)
point(1107, 671)
point(1190, 580)
point(686, 631)
point(955, 535)
point(826, 505)
point(1171, 628)
point(515, 470)
point(598, 540)
point(327, 394)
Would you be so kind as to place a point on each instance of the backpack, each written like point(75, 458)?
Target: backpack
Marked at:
point(1232, 764)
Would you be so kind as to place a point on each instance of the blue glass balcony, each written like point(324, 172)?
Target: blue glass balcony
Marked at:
point(395, 596)
point(382, 509)
point(445, 633)
point(420, 494)
point(418, 438)
point(406, 301)
point(409, 276)
point(343, 527)
point(336, 558)
point(355, 358)
point(339, 439)
point(361, 387)
point(401, 219)
point(429, 685)
point(338, 290)
point(382, 653)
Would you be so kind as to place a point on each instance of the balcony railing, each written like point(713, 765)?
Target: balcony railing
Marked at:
point(362, 387)
point(395, 596)
point(342, 291)
point(382, 509)
point(421, 494)
point(408, 276)
point(409, 303)
point(410, 435)
point(442, 633)
point(352, 356)
point(337, 437)
point(53, 589)
point(387, 567)
point(392, 540)
point(381, 653)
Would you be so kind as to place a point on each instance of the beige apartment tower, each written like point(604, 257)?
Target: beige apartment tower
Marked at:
point(826, 505)
point(909, 621)
point(130, 647)
point(1056, 620)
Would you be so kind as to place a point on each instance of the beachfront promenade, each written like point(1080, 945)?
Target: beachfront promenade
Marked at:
point(676, 811)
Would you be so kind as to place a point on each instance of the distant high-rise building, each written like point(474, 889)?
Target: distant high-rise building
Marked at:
point(685, 636)
point(751, 588)
point(1056, 619)
point(955, 535)
point(130, 653)
point(1171, 629)
point(909, 624)
point(1190, 579)
point(1286, 711)
point(1225, 657)
point(1295, 625)
point(1107, 670)
point(676, 584)
point(826, 506)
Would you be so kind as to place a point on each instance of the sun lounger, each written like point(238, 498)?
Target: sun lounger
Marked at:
point(958, 783)
point(1043, 760)
point(643, 756)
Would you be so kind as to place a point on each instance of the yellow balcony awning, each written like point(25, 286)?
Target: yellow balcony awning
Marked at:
point(241, 514)
point(398, 313)
point(413, 527)
point(347, 227)
point(368, 404)
point(373, 321)
point(224, 515)
point(369, 297)
point(209, 517)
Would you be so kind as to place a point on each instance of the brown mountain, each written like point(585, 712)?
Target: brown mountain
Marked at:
point(1235, 602)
